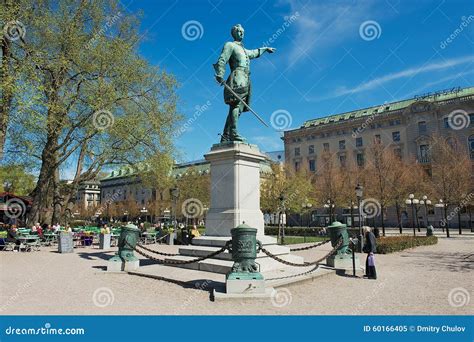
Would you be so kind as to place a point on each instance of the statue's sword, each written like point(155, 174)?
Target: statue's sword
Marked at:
point(240, 99)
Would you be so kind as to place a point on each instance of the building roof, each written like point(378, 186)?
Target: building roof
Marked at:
point(442, 95)
point(201, 166)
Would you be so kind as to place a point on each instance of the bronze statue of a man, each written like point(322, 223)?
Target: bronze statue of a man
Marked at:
point(238, 58)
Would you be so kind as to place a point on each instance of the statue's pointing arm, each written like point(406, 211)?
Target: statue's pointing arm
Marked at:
point(219, 67)
point(255, 53)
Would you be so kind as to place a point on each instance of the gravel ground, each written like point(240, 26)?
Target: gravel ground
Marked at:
point(426, 280)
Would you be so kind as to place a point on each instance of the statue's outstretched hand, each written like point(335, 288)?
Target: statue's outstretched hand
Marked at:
point(271, 50)
point(219, 79)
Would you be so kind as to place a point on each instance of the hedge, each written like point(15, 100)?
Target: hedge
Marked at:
point(390, 244)
point(294, 231)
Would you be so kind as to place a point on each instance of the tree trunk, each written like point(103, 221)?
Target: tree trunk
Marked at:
point(459, 219)
point(446, 220)
point(57, 200)
point(382, 217)
point(399, 217)
point(7, 95)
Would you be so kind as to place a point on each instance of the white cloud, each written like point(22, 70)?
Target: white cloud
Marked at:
point(411, 72)
point(325, 23)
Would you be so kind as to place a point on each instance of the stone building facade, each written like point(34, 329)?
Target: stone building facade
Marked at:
point(405, 126)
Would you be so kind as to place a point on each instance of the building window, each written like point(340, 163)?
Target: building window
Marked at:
point(359, 142)
point(342, 144)
point(422, 127)
point(377, 139)
point(424, 153)
point(360, 159)
point(471, 146)
point(326, 147)
point(396, 136)
point(342, 160)
point(311, 149)
point(312, 165)
point(297, 151)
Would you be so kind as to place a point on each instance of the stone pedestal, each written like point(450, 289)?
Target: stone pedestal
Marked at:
point(118, 265)
point(235, 190)
point(245, 283)
point(104, 241)
point(343, 262)
point(65, 243)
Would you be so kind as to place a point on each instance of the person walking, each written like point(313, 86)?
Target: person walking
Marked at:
point(370, 248)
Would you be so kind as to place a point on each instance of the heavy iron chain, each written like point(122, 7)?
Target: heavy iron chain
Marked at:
point(310, 247)
point(179, 262)
point(156, 252)
point(305, 264)
point(309, 271)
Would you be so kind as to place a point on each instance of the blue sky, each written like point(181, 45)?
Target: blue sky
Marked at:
point(332, 57)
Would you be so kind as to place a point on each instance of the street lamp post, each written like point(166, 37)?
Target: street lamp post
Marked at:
point(307, 207)
point(281, 228)
point(330, 206)
point(144, 212)
point(174, 192)
point(359, 190)
point(412, 201)
point(426, 202)
point(444, 205)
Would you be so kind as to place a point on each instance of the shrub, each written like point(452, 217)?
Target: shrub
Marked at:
point(392, 244)
point(294, 231)
point(77, 223)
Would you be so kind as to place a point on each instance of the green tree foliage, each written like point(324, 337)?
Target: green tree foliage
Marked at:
point(84, 98)
point(15, 179)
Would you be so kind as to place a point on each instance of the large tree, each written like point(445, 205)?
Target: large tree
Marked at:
point(451, 176)
point(88, 99)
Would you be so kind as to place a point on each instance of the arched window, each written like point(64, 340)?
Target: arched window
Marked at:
point(471, 146)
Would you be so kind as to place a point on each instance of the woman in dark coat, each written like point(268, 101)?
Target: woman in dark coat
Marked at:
point(370, 247)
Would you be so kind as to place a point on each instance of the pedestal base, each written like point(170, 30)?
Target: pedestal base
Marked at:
point(245, 283)
point(343, 262)
point(118, 265)
point(235, 190)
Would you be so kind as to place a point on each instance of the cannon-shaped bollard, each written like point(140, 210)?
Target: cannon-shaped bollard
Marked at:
point(342, 259)
point(245, 276)
point(125, 259)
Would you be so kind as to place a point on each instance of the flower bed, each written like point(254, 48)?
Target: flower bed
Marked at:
point(392, 244)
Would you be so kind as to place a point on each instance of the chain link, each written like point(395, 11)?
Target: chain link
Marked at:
point(305, 264)
point(156, 252)
point(177, 262)
point(310, 247)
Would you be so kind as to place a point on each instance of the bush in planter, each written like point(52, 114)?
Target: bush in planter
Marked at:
point(390, 244)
